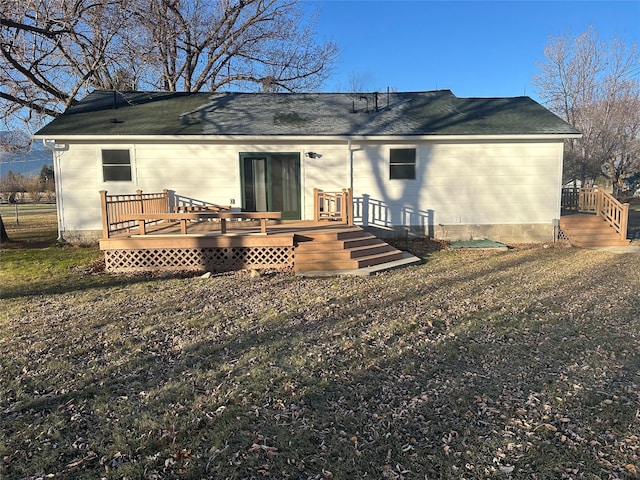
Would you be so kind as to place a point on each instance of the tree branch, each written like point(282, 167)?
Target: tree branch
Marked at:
point(29, 104)
point(7, 22)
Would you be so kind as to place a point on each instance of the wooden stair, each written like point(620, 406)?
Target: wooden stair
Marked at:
point(586, 230)
point(347, 248)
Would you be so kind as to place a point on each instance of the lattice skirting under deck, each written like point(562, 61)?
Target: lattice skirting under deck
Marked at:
point(199, 259)
point(562, 236)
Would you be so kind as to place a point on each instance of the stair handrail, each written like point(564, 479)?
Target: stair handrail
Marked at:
point(613, 211)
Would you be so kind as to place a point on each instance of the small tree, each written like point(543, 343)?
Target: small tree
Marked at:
point(14, 183)
point(34, 188)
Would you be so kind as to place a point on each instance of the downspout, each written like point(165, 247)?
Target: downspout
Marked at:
point(349, 142)
point(57, 181)
point(556, 221)
point(352, 209)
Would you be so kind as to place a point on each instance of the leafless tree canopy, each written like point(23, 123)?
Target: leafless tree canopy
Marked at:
point(53, 51)
point(594, 86)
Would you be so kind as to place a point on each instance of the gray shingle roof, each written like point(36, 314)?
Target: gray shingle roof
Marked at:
point(304, 114)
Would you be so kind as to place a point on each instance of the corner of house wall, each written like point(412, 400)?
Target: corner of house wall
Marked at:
point(82, 237)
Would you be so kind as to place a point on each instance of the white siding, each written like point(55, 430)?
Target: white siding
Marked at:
point(202, 172)
point(468, 183)
point(205, 172)
point(80, 181)
point(329, 173)
point(465, 183)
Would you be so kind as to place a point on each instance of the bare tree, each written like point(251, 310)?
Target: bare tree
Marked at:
point(250, 44)
point(620, 142)
point(593, 85)
point(357, 83)
point(52, 53)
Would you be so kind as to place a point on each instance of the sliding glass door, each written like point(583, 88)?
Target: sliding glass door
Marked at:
point(271, 183)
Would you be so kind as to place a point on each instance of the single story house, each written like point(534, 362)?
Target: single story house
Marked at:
point(424, 162)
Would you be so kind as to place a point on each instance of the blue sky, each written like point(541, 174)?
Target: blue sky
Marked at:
point(474, 48)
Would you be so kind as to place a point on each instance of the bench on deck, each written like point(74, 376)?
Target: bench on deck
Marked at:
point(184, 217)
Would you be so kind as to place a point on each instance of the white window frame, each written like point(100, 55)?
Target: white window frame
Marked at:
point(415, 161)
point(101, 164)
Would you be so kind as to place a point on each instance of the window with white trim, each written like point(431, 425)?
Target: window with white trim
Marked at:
point(116, 165)
point(402, 163)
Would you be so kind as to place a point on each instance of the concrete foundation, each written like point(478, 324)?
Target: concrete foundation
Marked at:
point(509, 233)
point(82, 237)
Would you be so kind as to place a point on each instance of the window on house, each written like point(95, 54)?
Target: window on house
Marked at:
point(116, 166)
point(402, 164)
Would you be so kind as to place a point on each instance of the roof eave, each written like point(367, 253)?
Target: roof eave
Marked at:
point(300, 138)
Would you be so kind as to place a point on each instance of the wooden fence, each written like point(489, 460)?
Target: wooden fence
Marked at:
point(115, 206)
point(333, 206)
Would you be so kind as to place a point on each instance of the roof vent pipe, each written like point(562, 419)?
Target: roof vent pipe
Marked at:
point(364, 97)
point(375, 100)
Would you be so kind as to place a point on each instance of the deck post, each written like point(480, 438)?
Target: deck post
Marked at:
point(139, 195)
point(348, 205)
point(624, 221)
point(105, 213)
point(165, 191)
point(316, 213)
point(599, 201)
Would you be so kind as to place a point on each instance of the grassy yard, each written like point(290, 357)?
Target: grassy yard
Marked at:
point(522, 364)
point(29, 225)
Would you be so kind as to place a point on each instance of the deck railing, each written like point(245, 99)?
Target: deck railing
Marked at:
point(603, 204)
point(570, 198)
point(614, 212)
point(588, 199)
point(115, 206)
point(333, 206)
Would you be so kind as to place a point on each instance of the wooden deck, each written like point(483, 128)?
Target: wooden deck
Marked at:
point(591, 217)
point(148, 231)
point(303, 246)
point(590, 230)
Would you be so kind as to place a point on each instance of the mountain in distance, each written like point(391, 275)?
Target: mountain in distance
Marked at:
point(16, 158)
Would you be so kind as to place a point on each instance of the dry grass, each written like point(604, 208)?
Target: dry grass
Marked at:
point(520, 364)
point(29, 226)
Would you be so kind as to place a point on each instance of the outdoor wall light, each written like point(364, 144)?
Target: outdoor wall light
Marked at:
point(314, 155)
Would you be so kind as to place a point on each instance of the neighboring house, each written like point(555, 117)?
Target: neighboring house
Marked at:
point(426, 162)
